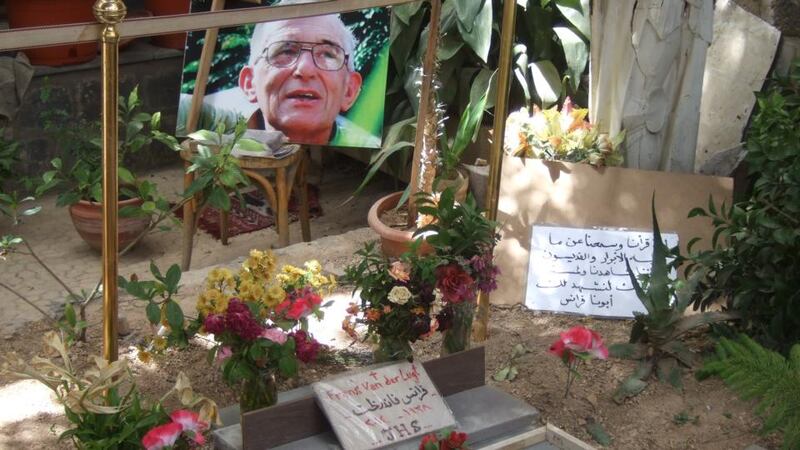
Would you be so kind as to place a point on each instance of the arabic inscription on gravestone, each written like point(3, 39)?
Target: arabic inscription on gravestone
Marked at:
point(379, 407)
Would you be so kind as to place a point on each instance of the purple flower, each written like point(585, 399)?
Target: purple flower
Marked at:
point(239, 320)
point(485, 272)
point(306, 346)
point(214, 323)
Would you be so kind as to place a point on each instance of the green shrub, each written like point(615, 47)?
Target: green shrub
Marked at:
point(754, 265)
point(757, 373)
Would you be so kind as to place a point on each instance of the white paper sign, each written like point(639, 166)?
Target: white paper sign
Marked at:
point(583, 271)
point(379, 407)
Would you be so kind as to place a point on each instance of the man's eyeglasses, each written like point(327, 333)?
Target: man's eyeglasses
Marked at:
point(286, 53)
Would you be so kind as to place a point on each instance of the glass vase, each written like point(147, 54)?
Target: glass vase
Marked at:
point(457, 338)
point(259, 392)
point(392, 349)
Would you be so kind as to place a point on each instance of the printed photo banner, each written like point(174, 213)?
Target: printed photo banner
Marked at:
point(379, 407)
point(320, 80)
point(582, 271)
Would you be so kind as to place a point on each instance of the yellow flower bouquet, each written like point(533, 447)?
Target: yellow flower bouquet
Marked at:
point(258, 317)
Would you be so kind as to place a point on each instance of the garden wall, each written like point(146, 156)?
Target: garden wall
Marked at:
point(77, 89)
point(581, 196)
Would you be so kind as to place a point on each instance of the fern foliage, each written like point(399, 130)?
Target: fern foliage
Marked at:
point(766, 376)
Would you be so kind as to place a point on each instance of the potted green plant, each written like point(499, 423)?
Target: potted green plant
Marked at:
point(395, 241)
point(82, 176)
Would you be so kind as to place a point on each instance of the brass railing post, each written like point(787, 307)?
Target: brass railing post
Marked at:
point(110, 13)
point(479, 331)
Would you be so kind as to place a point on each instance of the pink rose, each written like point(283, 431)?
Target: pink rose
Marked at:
point(558, 348)
point(399, 271)
point(190, 421)
point(583, 340)
point(162, 436)
point(223, 353)
point(275, 335)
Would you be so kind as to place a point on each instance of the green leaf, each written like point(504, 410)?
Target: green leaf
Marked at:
point(576, 53)
point(288, 366)
point(547, 81)
point(205, 137)
point(627, 350)
point(502, 374)
point(125, 175)
point(174, 315)
point(173, 278)
point(631, 387)
point(219, 199)
point(479, 37)
point(69, 314)
point(467, 11)
point(250, 145)
point(153, 313)
point(512, 374)
point(668, 371)
point(598, 433)
point(579, 17)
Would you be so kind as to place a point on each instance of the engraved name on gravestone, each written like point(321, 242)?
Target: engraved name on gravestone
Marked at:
point(379, 407)
point(582, 271)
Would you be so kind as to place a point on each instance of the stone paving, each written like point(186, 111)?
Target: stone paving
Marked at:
point(57, 243)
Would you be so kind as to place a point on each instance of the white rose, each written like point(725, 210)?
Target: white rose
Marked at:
point(400, 295)
point(437, 304)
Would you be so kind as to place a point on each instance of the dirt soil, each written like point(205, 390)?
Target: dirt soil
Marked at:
point(705, 415)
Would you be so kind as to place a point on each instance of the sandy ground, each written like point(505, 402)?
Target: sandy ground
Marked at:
point(704, 415)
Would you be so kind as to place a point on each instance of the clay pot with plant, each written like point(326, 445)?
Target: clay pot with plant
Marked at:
point(81, 181)
point(445, 174)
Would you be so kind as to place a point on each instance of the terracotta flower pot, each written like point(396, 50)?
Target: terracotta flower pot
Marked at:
point(87, 217)
point(394, 242)
point(37, 13)
point(167, 8)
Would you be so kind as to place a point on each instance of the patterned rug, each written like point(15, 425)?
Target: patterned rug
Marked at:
point(255, 214)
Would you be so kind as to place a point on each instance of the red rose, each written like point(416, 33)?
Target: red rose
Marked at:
point(455, 284)
point(429, 442)
point(455, 441)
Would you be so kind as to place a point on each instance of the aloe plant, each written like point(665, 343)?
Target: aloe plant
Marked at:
point(655, 339)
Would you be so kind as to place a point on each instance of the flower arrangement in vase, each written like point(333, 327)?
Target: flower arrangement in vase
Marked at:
point(463, 241)
point(397, 301)
point(563, 135)
point(258, 317)
point(406, 299)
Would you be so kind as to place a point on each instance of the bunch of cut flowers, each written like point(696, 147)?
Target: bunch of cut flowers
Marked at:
point(409, 298)
point(397, 301)
point(563, 135)
point(463, 241)
point(258, 317)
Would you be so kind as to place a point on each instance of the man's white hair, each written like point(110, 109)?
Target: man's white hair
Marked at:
point(262, 30)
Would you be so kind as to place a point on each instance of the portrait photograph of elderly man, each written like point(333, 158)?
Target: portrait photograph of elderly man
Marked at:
point(319, 80)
